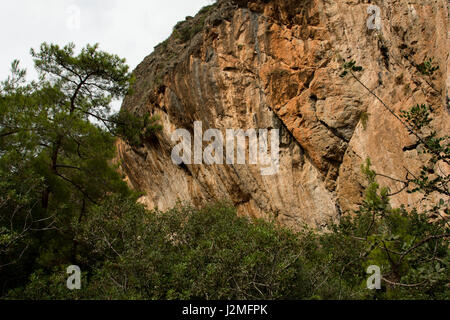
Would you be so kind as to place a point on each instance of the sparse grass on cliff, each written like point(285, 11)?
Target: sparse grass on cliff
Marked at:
point(186, 30)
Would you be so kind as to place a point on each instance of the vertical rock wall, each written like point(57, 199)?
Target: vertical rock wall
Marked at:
point(276, 64)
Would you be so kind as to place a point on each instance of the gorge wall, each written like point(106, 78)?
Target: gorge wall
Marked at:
point(277, 64)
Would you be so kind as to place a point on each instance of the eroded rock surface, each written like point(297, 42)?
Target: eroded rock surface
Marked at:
point(276, 64)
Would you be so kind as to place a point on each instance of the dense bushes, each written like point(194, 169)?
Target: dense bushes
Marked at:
point(184, 253)
point(212, 253)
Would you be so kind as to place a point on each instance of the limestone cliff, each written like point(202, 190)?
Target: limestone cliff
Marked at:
point(276, 64)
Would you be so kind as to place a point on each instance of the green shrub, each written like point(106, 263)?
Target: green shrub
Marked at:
point(184, 253)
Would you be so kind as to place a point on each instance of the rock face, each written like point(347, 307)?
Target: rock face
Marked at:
point(277, 64)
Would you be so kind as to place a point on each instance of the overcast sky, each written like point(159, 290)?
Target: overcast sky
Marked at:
point(129, 28)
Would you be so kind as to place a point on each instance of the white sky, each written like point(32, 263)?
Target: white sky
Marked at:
point(128, 28)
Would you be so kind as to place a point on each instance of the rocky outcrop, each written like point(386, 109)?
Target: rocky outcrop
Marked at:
point(277, 64)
